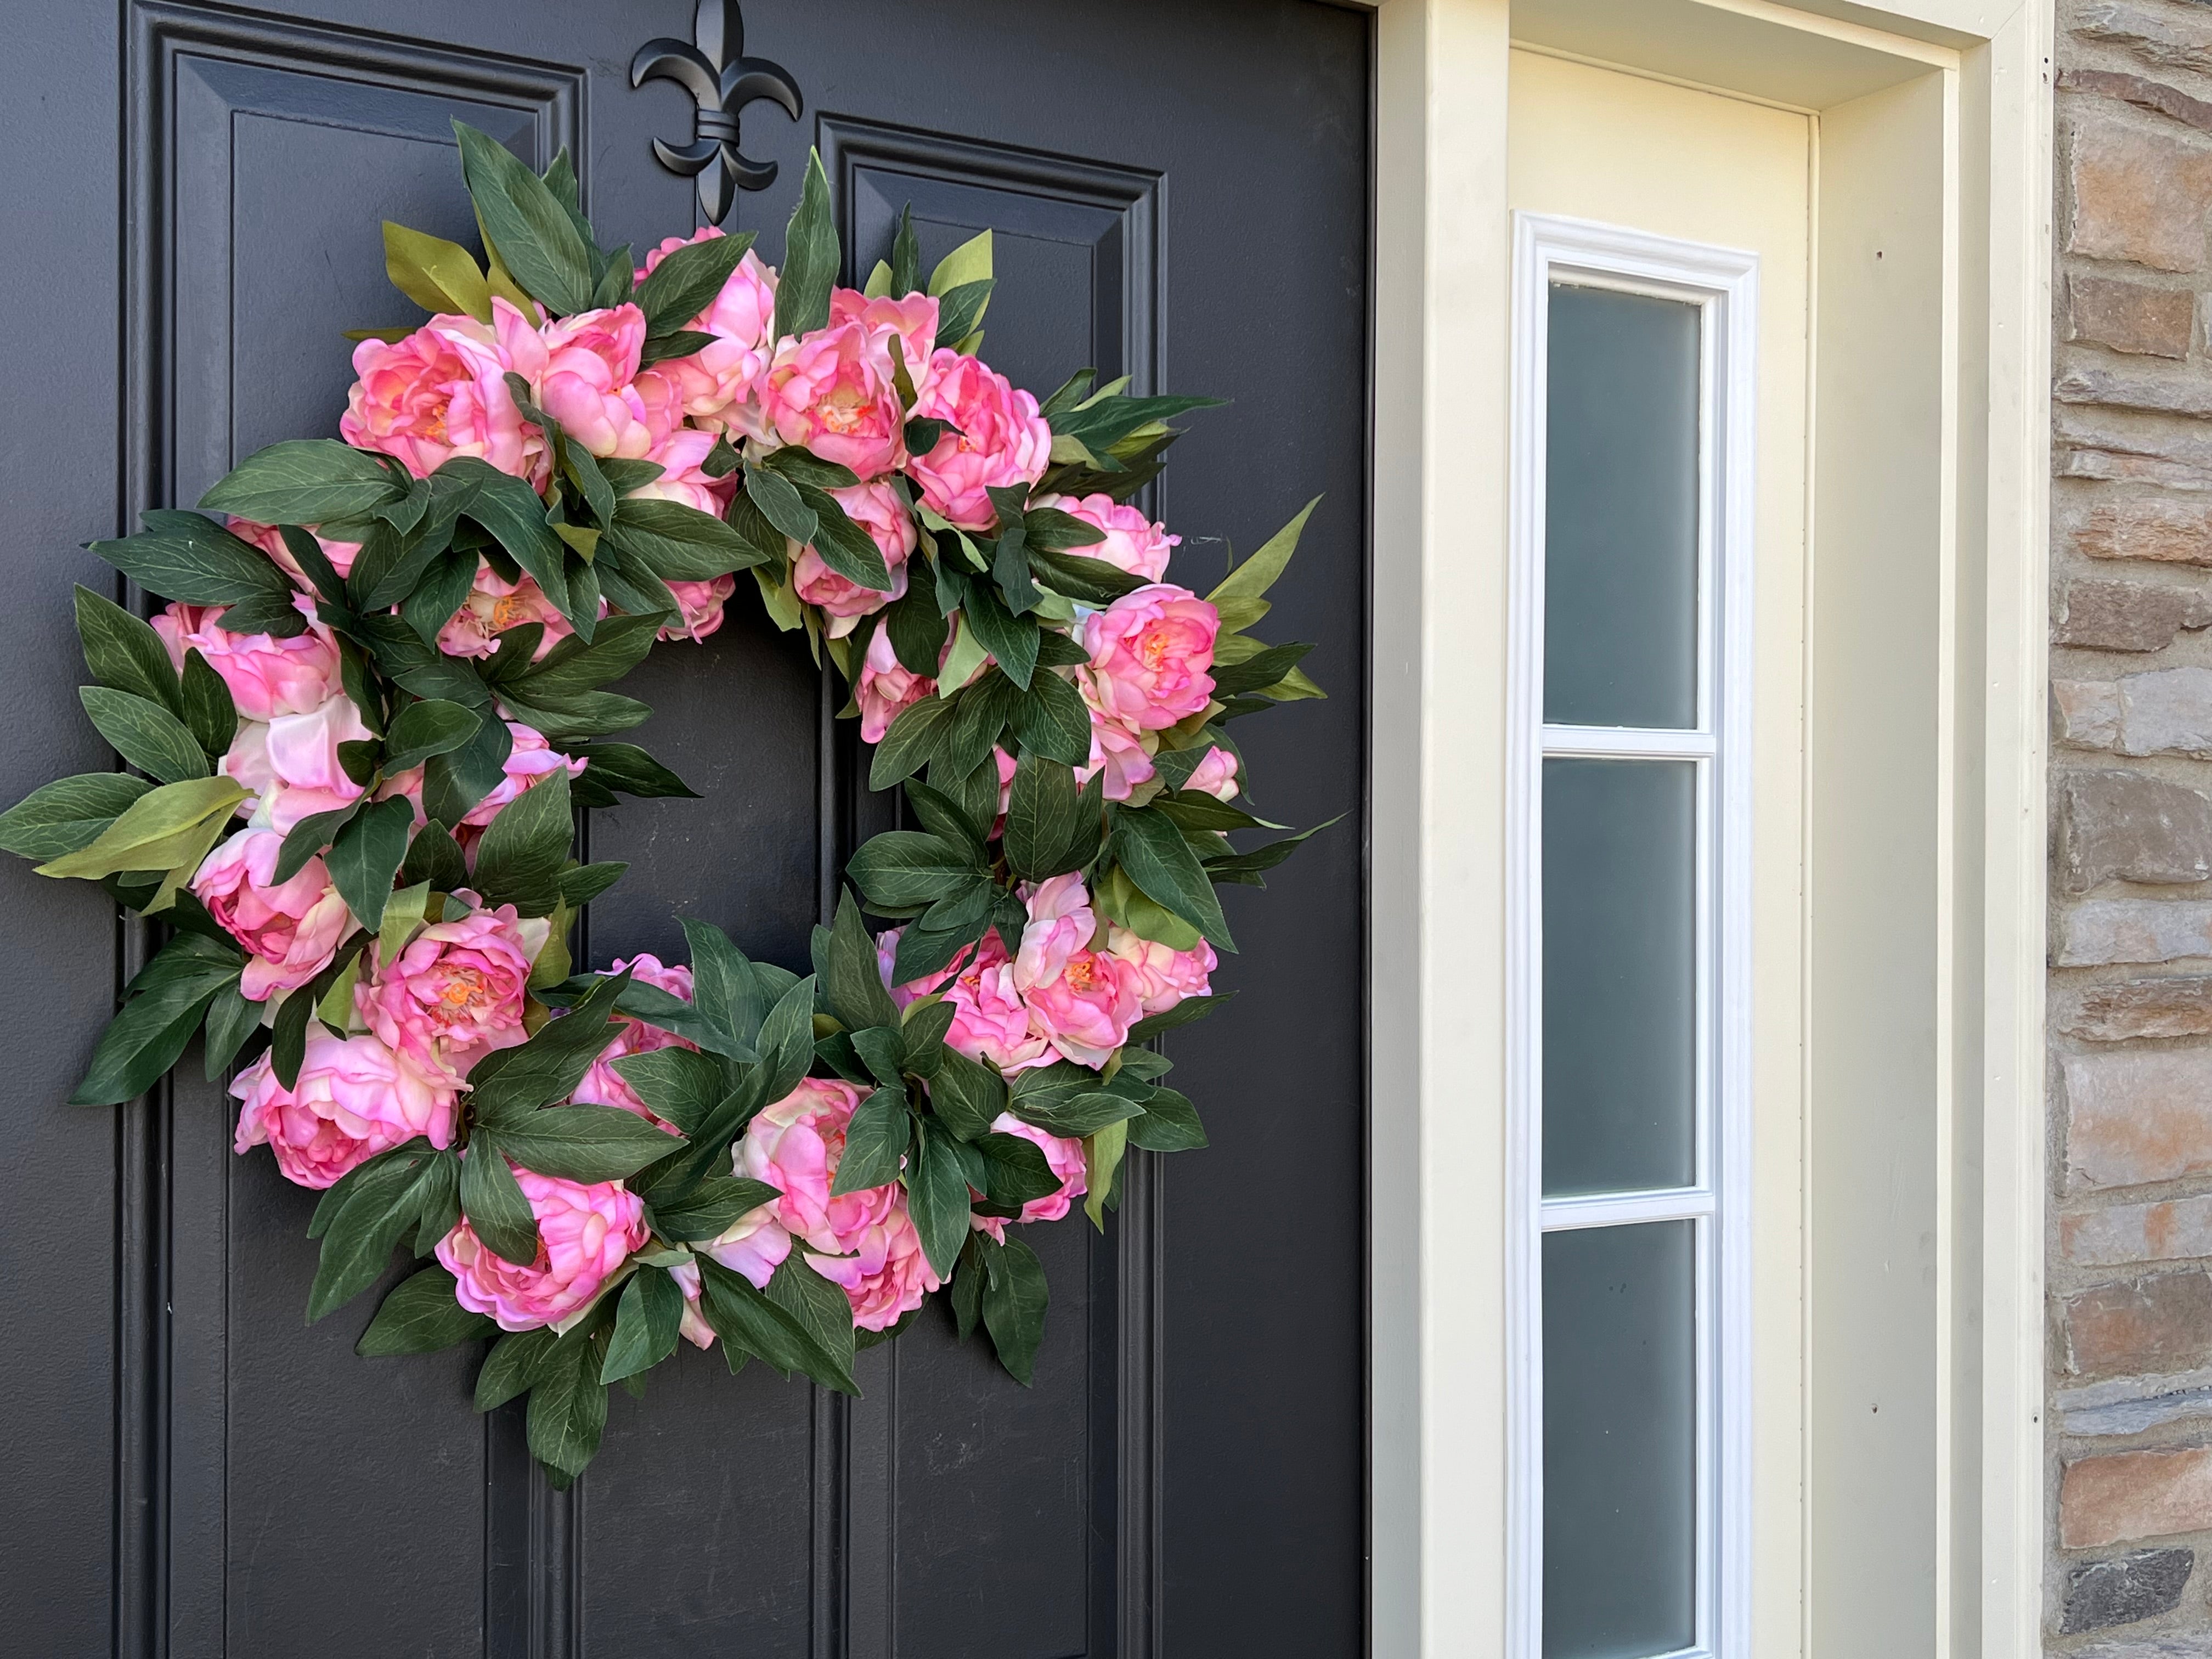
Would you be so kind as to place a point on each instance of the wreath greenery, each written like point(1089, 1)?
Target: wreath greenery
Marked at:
point(389, 656)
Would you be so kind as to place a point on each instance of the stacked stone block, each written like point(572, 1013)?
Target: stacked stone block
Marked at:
point(2131, 994)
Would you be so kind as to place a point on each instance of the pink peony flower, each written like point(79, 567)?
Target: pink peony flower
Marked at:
point(1215, 776)
point(755, 1244)
point(354, 1099)
point(269, 540)
point(602, 1085)
point(1150, 651)
point(289, 765)
point(888, 1276)
point(1062, 1155)
point(714, 385)
point(795, 1146)
point(695, 1328)
point(456, 992)
point(682, 456)
point(1085, 1010)
point(442, 391)
point(886, 687)
point(267, 675)
point(998, 439)
point(990, 1022)
point(832, 392)
point(1122, 754)
point(290, 930)
point(878, 509)
point(1061, 923)
point(911, 321)
point(591, 359)
point(702, 612)
point(584, 1233)
point(531, 759)
point(1133, 542)
point(495, 604)
point(1163, 977)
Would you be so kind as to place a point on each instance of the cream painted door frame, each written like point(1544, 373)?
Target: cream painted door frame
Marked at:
point(1926, 645)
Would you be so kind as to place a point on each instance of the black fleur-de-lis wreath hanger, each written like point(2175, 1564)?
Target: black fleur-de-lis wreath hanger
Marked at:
point(721, 80)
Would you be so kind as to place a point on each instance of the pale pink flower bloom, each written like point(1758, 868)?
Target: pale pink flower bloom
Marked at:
point(456, 992)
point(878, 509)
point(495, 604)
point(1133, 543)
point(990, 1023)
point(1063, 1156)
point(442, 391)
point(1085, 1010)
point(1163, 977)
point(755, 1244)
point(682, 456)
point(290, 930)
point(701, 608)
point(693, 1327)
point(795, 1145)
point(591, 359)
point(602, 1085)
point(885, 688)
point(911, 321)
point(584, 1233)
point(832, 392)
point(1150, 651)
point(888, 1275)
point(354, 1098)
point(714, 385)
point(998, 439)
point(289, 766)
point(1122, 753)
point(529, 761)
point(267, 675)
point(1215, 776)
point(1061, 923)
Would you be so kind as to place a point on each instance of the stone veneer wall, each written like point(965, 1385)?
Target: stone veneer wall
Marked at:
point(2130, 992)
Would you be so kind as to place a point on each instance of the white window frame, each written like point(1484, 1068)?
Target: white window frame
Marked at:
point(1723, 283)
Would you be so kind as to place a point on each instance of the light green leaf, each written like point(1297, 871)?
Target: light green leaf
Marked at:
point(1252, 579)
point(437, 275)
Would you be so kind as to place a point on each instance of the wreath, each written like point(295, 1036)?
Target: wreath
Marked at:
point(389, 655)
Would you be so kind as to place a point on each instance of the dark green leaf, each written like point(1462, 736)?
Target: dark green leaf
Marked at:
point(309, 837)
point(1017, 1169)
point(680, 1087)
point(646, 1321)
point(906, 256)
point(959, 309)
point(366, 1226)
point(568, 1412)
point(266, 613)
point(843, 545)
point(162, 1010)
point(185, 556)
point(420, 1315)
point(1014, 1300)
point(513, 1365)
point(968, 1284)
point(902, 869)
point(323, 580)
point(210, 715)
point(750, 1321)
point(1170, 1124)
point(68, 814)
point(684, 283)
point(145, 733)
point(366, 856)
point(428, 728)
point(454, 783)
point(230, 1020)
point(1189, 1009)
point(493, 1201)
point(915, 738)
point(520, 858)
point(803, 466)
point(584, 1143)
point(1152, 850)
point(1012, 640)
point(287, 1037)
point(1043, 817)
point(526, 225)
point(1075, 1116)
point(581, 885)
point(1052, 721)
point(511, 510)
point(856, 982)
point(125, 654)
point(937, 1196)
point(811, 257)
point(511, 1084)
point(1247, 867)
point(712, 1208)
point(1256, 673)
point(303, 481)
point(678, 544)
point(820, 1310)
point(917, 631)
point(433, 857)
point(1088, 581)
point(875, 1142)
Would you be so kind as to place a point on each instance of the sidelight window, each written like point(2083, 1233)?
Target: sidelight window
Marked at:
point(1630, 1026)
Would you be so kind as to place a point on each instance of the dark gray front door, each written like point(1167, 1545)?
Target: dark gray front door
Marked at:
point(1180, 188)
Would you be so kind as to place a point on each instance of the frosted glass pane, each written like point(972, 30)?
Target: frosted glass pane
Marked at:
point(1620, 512)
point(1619, 975)
point(1619, 1441)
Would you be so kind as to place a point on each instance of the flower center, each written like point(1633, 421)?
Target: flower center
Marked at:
point(508, 610)
point(1152, 647)
point(841, 415)
point(463, 993)
point(1081, 974)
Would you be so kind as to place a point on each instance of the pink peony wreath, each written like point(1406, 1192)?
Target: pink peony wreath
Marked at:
point(358, 728)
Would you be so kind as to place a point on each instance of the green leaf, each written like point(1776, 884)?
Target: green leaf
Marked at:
point(125, 654)
point(434, 860)
point(145, 733)
point(511, 511)
point(937, 1196)
point(1019, 1172)
point(968, 1284)
point(1247, 866)
point(969, 262)
point(1183, 1013)
point(439, 275)
point(584, 1143)
point(586, 882)
point(522, 853)
point(1077, 1115)
point(287, 1037)
point(524, 222)
point(1256, 673)
point(1052, 721)
point(968, 1096)
point(1044, 818)
point(210, 715)
point(511, 1084)
point(914, 739)
point(68, 814)
point(777, 498)
point(624, 768)
point(431, 727)
point(810, 257)
point(188, 557)
point(303, 481)
point(358, 1236)
point(310, 836)
point(513, 1365)
point(1252, 579)
point(1012, 640)
point(568, 1412)
point(1160, 862)
point(724, 987)
point(843, 545)
point(820, 1310)
point(230, 1020)
point(170, 829)
point(1090, 581)
point(902, 869)
point(1102, 1154)
point(1170, 1124)
point(366, 856)
point(678, 544)
point(875, 1142)
point(960, 310)
point(750, 1320)
point(855, 983)
point(646, 1321)
point(1014, 1301)
point(420, 1315)
point(711, 1208)
point(493, 1201)
point(161, 1012)
point(684, 283)
point(455, 782)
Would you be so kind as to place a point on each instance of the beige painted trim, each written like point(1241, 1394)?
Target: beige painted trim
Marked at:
point(1437, 854)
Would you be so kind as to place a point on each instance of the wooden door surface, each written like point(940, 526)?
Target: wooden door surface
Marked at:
point(1179, 191)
